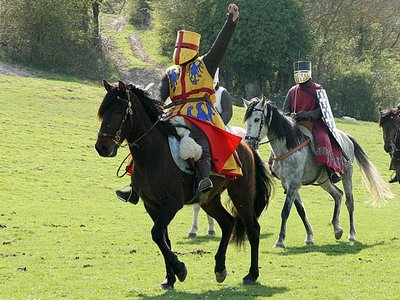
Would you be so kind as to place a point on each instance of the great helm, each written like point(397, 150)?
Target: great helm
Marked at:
point(302, 71)
point(186, 46)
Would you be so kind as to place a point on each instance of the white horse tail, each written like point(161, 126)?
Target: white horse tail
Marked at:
point(379, 189)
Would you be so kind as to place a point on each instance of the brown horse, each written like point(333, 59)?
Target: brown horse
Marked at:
point(389, 120)
point(128, 113)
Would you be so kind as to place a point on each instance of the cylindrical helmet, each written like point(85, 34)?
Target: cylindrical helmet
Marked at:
point(186, 46)
point(302, 71)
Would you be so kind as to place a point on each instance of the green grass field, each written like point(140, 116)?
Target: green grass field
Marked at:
point(63, 234)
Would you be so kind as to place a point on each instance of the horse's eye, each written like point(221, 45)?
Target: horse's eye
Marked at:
point(257, 120)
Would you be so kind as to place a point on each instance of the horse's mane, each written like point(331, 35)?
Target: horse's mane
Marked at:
point(153, 107)
point(280, 126)
point(284, 127)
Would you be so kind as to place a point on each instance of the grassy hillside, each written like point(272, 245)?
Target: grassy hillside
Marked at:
point(63, 234)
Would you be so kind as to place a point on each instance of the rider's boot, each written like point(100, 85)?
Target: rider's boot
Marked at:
point(127, 195)
point(203, 181)
point(333, 176)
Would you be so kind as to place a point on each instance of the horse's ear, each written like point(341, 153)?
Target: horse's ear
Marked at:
point(106, 85)
point(122, 86)
point(246, 103)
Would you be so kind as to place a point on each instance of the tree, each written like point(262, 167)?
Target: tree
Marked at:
point(269, 37)
point(357, 41)
point(52, 35)
point(170, 16)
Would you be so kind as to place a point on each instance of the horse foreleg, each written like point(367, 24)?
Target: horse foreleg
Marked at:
point(303, 215)
point(159, 234)
point(193, 230)
point(215, 209)
point(290, 195)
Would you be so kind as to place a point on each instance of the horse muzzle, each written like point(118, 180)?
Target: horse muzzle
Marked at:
point(252, 141)
point(106, 149)
point(388, 148)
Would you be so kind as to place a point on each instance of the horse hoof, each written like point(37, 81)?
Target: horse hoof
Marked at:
point(220, 276)
point(182, 273)
point(249, 279)
point(352, 238)
point(211, 232)
point(338, 234)
point(166, 286)
point(279, 245)
point(309, 242)
point(192, 235)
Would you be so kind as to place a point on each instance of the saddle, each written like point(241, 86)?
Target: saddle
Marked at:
point(306, 129)
point(185, 152)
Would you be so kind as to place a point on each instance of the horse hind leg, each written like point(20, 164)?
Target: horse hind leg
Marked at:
point(337, 195)
point(246, 224)
point(211, 226)
point(195, 227)
point(215, 209)
point(348, 189)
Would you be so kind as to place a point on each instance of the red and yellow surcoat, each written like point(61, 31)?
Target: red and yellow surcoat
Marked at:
point(192, 81)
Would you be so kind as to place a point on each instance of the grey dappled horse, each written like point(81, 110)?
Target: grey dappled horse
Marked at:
point(265, 120)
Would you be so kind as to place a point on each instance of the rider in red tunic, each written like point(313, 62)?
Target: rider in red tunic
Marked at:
point(302, 104)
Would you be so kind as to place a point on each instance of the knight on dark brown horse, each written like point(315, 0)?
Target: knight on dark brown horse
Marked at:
point(389, 120)
point(128, 113)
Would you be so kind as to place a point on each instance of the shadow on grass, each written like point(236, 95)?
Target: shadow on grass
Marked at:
point(339, 248)
point(207, 238)
point(242, 292)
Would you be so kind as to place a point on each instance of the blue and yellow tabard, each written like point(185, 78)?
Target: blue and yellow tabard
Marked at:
point(192, 81)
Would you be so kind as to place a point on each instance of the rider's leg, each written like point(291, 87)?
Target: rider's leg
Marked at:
point(128, 195)
point(333, 176)
point(203, 165)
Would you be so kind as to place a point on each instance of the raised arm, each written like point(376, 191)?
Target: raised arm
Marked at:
point(217, 51)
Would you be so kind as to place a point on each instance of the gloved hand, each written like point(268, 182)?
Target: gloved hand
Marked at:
point(303, 115)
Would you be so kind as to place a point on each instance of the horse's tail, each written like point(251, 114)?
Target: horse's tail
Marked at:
point(264, 185)
point(378, 188)
point(264, 188)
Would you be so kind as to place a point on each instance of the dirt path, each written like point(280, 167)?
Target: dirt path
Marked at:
point(9, 70)
point(138, 76)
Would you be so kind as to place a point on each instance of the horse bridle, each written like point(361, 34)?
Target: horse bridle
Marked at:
point(116, 138)
point(263, 119)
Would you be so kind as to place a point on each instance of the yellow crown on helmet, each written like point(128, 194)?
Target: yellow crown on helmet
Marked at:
point(186, 46)
point(302, 71)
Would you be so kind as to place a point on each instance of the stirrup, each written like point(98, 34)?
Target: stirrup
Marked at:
point(205, 185)
point(127, 195)
point(203, 189)
point(334, 178)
